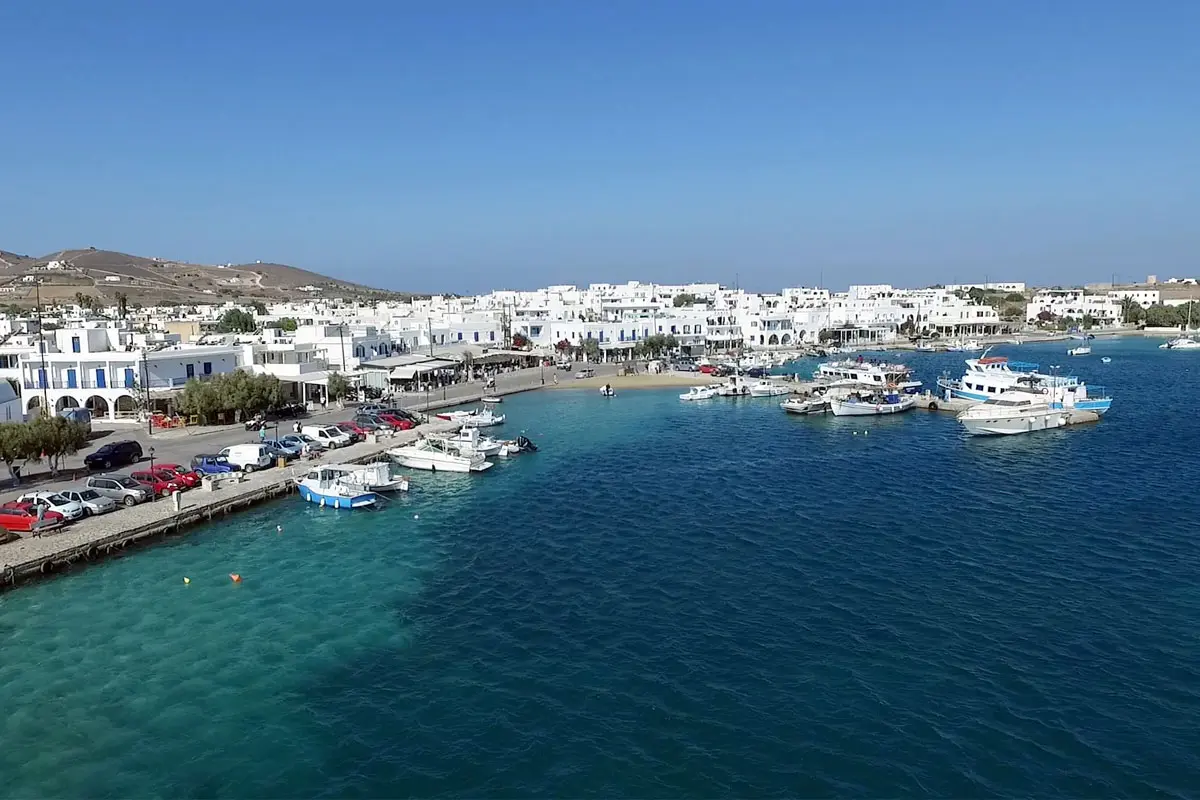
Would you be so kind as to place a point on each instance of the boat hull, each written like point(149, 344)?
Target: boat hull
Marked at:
point(805, 406)
point(327, 500)
point(1002, 426)
point(846, 408)
point(1097, 405)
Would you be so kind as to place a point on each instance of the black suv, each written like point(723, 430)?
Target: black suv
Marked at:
point(114, 454)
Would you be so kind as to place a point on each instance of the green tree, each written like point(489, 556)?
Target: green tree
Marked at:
point(1160, 316)
point(288, 324)
point(685, 299)
point(238, 391)
point(259, 308)
point(15, 444)
point(591, 348)
point(122, 305)
point(338, 387)
point(825, 335)
point(1087, 322)
point(1014, 297)
point(1131, 311)
point(236, 321)
point(53, 438)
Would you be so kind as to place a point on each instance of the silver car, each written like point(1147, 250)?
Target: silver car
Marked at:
point(92, 501)
point(121, 488)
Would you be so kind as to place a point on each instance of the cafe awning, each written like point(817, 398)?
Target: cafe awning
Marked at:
point(410, 372)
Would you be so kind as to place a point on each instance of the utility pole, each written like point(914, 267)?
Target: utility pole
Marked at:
point(342, 338)
point(429, 322)
point(43, 377)
point(146, 389)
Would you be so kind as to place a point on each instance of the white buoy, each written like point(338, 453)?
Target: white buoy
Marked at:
point(279, 529)
point(416, 516)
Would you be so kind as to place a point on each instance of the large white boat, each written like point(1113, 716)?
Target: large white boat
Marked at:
point(806, 405)
point(476, 417)
point(436, 455)
point(376, 477)
point(766, 388)
point(1180, 343)
point(989, 376)
point(876, 374)
point(1014, 411)
point(871, 405)
point(699, 393)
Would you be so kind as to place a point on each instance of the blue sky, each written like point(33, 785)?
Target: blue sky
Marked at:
point(475, 144)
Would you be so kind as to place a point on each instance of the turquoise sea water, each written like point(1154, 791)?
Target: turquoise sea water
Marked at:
point(709, 599)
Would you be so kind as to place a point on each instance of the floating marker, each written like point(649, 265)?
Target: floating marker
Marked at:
point(279, 529)
point(236, 578)
point(187, 580)
point(416, 516)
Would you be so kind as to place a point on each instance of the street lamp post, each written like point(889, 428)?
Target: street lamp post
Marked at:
point(153, 494)
point(43, 377)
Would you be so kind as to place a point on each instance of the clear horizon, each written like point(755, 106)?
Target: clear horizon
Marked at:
point(472, 145)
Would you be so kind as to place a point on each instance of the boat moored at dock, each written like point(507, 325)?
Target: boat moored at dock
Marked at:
point(436, 454)
point(862, 404)
point(765, 388)
point(987, 377)
point(806, 405)
point(374, 477)
point(1014, 411)
point(699, 393)
point(325, 486)
point(876, 374)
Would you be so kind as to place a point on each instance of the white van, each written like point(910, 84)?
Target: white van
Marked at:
point(329, 435)
point(248, 457)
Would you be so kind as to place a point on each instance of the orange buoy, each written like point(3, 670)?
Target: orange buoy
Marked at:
point(236, 578)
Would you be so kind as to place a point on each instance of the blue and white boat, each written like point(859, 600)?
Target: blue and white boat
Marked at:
point(326, 486)
point(987, 377)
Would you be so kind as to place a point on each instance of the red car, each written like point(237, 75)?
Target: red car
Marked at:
point(399, 423)
point(180, 474)
point(155, 482)
point(707, 369)
point(23, 518)
point(356, 432)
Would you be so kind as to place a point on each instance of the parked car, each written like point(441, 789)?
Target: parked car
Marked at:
point(371, 408)
point(302, 441)
point(247, 457)
point(212, 465)
point(55, 502)
point(180, 474)
point(18, 517)
point(289, 411)
point(396, 421)
point(708, 369)
point(121, 488)
point(373, 423)
point(403, 413)
point(92, 501)
point(279, 450)
point(356, 433)
point(685, 366)
point(329, 435)
point(114, 454)
point(156, 483)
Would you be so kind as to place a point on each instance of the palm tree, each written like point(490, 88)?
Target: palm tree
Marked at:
point(122, 305)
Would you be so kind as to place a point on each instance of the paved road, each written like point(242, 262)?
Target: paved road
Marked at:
point(178, 446)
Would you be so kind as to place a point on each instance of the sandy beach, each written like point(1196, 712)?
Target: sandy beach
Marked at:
point(641, 381)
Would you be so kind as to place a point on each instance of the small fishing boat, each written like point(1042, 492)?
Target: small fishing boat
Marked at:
point(1081, 350)
point(806, 405)
point(483, 418)
point(1106, 360)
point(491, 399)
point(469, 442)
point(375, 477)
point(608, 391)
point(324, 486)
point(699, 393)
point(858, 405)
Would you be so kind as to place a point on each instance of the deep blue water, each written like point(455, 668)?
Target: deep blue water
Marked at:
point(709, 599)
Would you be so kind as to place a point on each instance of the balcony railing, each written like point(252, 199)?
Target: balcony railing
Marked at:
point(119, 383)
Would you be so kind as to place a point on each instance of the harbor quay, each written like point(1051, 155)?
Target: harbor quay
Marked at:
point(111, 534)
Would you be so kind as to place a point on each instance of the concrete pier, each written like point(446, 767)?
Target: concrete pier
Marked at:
point(96, 537)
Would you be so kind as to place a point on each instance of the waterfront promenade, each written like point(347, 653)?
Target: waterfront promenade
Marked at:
point(96, 537)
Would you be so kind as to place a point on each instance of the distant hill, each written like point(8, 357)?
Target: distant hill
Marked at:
point(102, 274)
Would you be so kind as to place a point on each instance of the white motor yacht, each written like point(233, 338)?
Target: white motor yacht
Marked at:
point(1082, 350)
point(1180, 343)
point(989, 376)
point(872, 405)
point(766, 388)
point(436, 455)
point(1014, 411)
point(699, 393)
